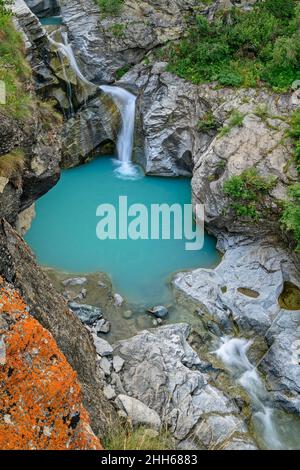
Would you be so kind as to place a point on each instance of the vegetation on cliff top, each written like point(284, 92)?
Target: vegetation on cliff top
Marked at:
point(14, 69)
point(242, 48)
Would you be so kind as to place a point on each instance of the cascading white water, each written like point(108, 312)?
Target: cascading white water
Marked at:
point(66, 50)
point(125, 102)
point(233, 354)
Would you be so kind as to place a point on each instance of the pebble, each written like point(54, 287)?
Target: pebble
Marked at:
point(127, 314)
point(109, 392)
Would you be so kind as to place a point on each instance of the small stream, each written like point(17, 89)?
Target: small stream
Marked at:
point(274, 429)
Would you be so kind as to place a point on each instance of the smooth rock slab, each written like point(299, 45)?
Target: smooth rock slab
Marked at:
point(138, 412)
point(258, 266)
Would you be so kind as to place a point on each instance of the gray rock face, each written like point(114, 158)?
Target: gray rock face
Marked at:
point(258, 142)
point(281, 364)
point(103, 348)
point(162, 371)
point(43, 8)
point(137, 412)
point(89, 130)
point(106, 44)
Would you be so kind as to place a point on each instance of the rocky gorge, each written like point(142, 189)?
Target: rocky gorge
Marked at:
point(168, 377)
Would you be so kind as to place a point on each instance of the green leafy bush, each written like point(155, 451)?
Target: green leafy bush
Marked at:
point(242, 48)
point(291, 214)
point(247, 192)
point(236, 120)
point(294, 132)
point(281, 8)
point(14, 70)
point(208, 122)
point(110, 7)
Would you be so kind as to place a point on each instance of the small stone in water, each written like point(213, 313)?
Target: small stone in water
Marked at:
point(118, 300)
point(75, 281)
point(102, 326)
point(127, 315)
point(159, 312)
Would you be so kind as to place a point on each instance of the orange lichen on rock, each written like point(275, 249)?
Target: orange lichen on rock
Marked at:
point(40, 397)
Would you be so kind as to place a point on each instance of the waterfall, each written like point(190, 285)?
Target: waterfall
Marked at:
point(125, 102)
point(66, 50)
point(233, 354)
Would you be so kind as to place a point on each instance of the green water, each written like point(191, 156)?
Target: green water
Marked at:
point(63, 234)
point(51, 21)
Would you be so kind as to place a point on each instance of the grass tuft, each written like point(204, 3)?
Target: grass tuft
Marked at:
point(124, 436)
point(12, 164)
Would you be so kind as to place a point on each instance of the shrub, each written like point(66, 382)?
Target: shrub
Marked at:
point(255, 46)
point(247, 192)
point(291, 214)
point(110, 7)
point(281, 8)
point(294, 132)
point(236, 120)
point(12, 164)
point(208, 122)
point(14, 70)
